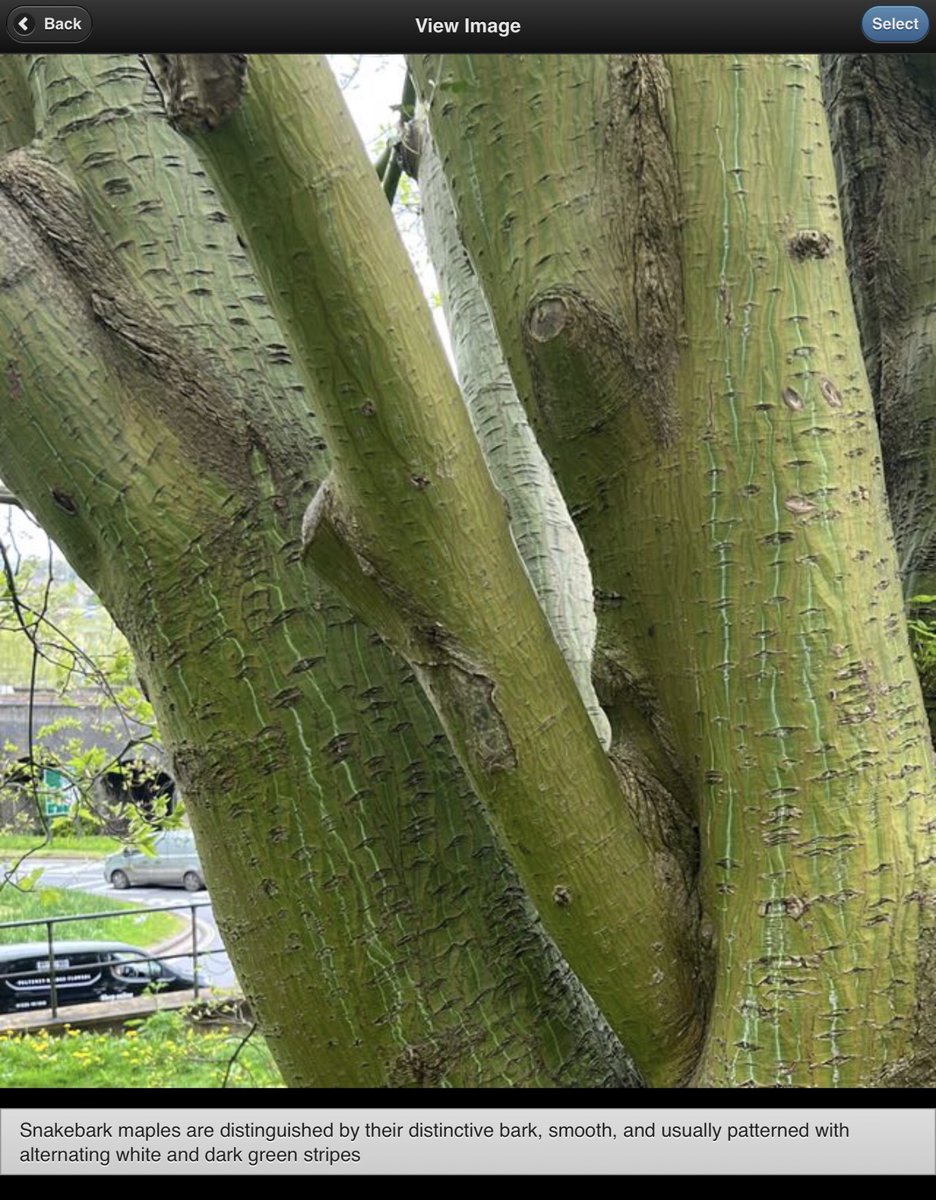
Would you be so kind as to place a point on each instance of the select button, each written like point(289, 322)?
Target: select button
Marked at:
point(895, 23)
point(49, 23)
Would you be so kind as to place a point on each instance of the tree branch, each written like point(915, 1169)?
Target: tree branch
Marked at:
point(412, 495)
point(539, 520)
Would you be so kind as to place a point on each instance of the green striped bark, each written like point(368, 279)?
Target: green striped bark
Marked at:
point(545, 211)
point(661, 253)
point(670, 288)
point(540, 524)
point(412, 530)
point(16, 124)
point(819, 830)
point(151, 418)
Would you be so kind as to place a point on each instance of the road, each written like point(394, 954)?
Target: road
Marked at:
point(87, 875)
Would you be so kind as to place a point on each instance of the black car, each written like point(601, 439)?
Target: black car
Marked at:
point(84, 972)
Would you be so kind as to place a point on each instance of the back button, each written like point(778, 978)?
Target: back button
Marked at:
point(49, 23)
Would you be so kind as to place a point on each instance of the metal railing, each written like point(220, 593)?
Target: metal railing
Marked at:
point(111, 981)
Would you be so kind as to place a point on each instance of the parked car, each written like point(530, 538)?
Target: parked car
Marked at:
point(84, 972)
point(174, 863)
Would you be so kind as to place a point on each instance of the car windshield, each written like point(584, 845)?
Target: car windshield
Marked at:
point(132, 966)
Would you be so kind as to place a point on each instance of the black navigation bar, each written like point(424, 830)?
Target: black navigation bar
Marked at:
point(392, 26)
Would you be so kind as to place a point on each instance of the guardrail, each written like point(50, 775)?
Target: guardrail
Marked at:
point(106, 963)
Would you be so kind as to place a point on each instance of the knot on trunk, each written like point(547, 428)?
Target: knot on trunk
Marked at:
point(199, 91)
point(585, 368)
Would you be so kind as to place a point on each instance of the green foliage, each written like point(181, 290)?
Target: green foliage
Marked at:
point(73, 618)
point(143, 828)
point(55, 634)
point(922, 625)
point(164, 1051)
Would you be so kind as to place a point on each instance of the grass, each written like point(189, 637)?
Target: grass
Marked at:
point(64, 846)
point(164, 1051)
point(141, 928)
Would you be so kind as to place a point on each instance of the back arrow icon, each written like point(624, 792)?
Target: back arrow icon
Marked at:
point(25, 23)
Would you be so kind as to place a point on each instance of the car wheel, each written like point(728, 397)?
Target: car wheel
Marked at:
point(191, 882)
point(119, 879)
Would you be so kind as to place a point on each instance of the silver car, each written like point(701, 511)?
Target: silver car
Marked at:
point(174, 863)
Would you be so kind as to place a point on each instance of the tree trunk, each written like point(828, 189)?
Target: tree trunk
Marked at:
point(411, 530)
point(679, 324)
point(659, 247)
point(150, 417)
point(882, 110)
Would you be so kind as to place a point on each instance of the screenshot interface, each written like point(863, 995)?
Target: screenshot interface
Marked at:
point(468, 594)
